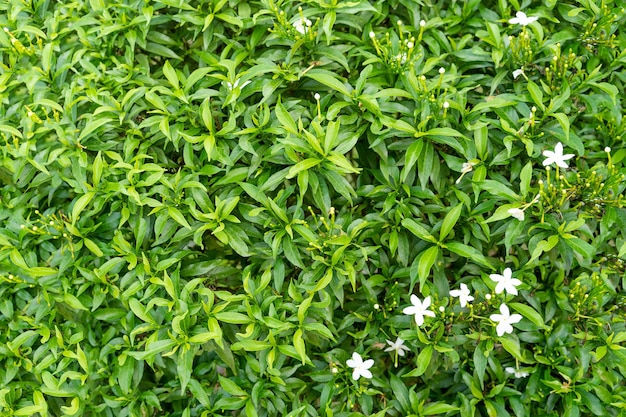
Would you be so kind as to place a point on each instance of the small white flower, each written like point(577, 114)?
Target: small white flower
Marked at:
point(607, 150)
point(401, 58)
point(410, 45)
point(422, 23)
point(505, 282)
point(517, 373)
point(557, 156)
point(419, 309)
point(361, 368)
point(445, 106)
point(517, 213)
point(317, 96)
point(505, 320)
point(299, 25)
point(517, 73)
point(467, 167)
point(232, 86)
point(463, 294)
point(488, 296)
point(442, 70)
point(372, 35)
point(398, 346)
point(521, 19)
point(442, 308)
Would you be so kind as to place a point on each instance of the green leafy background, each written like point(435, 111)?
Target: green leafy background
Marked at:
point(205, 211)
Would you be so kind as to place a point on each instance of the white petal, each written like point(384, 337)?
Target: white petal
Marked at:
point(356, 374)
point(369, 363)
point(366, 373)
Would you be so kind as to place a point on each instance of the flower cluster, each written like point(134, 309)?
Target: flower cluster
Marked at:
point(419, 309)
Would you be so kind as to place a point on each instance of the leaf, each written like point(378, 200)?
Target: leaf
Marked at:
point(231, 387)
point(438, 408)
point(423, 360)
point(93, 124)
point(170, 74)
point(529, 313)
point(178, 217)
point(581, 247)
point(285, 118)
point(298, 343)
point(418, 230)
point(412, 155)
point(329, 80)
point(425, 263)
point(153, 349)
point(400, 392)
point(544, 246)
point(470, 253)
point(450, 220)
point(536, 94)
point(303, 166)
point(498, 189)
point(80, 205)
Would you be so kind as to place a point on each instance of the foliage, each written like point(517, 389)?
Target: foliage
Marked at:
point(223, 207)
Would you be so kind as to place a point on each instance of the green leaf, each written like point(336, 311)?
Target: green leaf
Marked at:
point(418, 230)
point(438, 408)
point(498, 189)
point(303, 166)
point(170, 74)
point(536, 94)
point(80, 205)
point(470, 253)
point(285, 118)
point(153, 349)
point(329, 79)
point(298, 343)
point(425, 263)
point(423, 360)
point(231, 387)
point(544, 246)
point(449, 221)
point(178, 216)
point(581, 247)
point(529, 313)
point(93, 124)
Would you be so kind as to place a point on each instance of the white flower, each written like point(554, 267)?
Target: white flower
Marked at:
point(521, 19)
point(517, 213)
point(557, 156)
point(299, 25)
point(372, 35)
point(517, 373)
point(607, 150)
point(422, 23)
point(517, 73)
point(232, 86)
point(361, 368)
point(505, 320)
point(463, 294)
point(442, 70)
point(506, 282)
point(398, 346)
point(467, 166)
point(445, 106)
point(419, 309)
point(401, 58)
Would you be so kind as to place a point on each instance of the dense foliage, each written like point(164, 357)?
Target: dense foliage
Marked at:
point(342, 208)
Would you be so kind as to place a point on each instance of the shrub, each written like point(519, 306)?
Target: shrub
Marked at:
point(266, 208)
